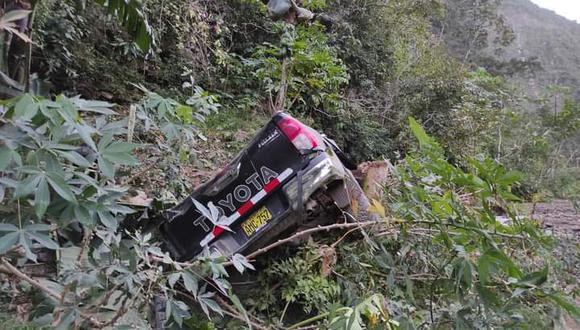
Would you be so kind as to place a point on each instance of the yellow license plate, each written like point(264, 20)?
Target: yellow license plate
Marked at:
point(256, 221)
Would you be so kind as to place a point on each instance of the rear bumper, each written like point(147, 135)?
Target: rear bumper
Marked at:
point(321, 170)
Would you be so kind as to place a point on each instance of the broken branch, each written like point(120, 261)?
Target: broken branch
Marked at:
point(356, 225)
point(7, 266)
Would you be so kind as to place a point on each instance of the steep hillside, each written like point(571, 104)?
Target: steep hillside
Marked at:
point(551, 39)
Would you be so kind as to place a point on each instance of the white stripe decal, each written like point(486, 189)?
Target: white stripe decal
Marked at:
point(258, 196)
point(206, 240)
point(254, 200)
point(232, 218)
point(284, 175)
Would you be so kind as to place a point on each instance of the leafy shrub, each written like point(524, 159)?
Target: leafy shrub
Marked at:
point(60, 161)
point(441, 258)
point(303, 283)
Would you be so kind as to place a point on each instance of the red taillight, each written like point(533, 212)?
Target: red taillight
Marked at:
point(299, 134)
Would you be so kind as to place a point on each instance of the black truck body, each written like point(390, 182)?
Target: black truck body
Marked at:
point(272, 186)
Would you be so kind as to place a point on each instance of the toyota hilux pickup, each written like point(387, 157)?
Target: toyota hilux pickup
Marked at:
point(288, 177)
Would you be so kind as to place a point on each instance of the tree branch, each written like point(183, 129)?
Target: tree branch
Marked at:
point(286, 240)
point(310, 231)
point(7, 266)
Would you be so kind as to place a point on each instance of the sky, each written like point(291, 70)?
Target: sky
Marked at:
point(567, 8)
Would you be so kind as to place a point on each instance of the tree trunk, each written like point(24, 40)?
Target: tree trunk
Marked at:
point(281, 97)
point(15, 53)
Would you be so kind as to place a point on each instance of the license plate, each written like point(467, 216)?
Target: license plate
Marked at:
point(256, 221)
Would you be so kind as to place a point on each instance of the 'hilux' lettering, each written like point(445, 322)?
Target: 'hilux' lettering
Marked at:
point(241, 193)
point(268, 138)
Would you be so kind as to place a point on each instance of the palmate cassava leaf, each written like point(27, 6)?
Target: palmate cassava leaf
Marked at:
point(60, 186)
point(9, 156)
point(36, 232)
point(172, 279)
point(241, 263)
point(100, 107)
point(26, 108)
point(206, 302)
point(178, 310)
point(8, 241)
point(25, 237)
point(74, 157)
point(111, 153)
point(41, 198)
point(191, 282)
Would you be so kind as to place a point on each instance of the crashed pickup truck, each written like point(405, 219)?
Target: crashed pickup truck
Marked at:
point(288, 177)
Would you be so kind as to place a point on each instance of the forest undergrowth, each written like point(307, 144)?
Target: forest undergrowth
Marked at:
point(123, 119)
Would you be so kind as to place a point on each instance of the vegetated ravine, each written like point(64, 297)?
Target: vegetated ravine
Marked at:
point(116, 110)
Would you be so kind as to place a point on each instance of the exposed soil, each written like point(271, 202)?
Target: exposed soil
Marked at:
point(558, 215)
point(563, 219)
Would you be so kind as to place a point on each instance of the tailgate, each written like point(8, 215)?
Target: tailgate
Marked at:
point(239, 191)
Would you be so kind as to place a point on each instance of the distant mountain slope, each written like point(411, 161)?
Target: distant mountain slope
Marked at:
point(552, 39)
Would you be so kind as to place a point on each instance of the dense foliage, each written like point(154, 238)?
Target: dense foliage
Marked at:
point(191, 82)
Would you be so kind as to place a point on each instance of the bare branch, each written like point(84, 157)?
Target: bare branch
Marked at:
point(14, 271)
point(357, 225)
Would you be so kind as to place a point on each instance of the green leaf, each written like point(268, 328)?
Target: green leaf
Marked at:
point(493, 260)
point(489, 298)
point(179, 310)
point(43, 240)
point(240, 307)
point(120, 158)
point(61, 187)
point(37, 227)
point(8, 241)
point(26, 107)
point(108, 220)
point(105, 141)
point(463, 275)
point(191, 282)
point(120, 209)
point(565, 304)
point(241, 263)
point(106, 167)
point(511, 178)
point(25, 242)
point(172, 279)
point(27, 186)
point(5, 158)
point(85, 134)
point(184, 113)
point(41, 198)
point(419, 132)
point(120, 147)
point(101, 107)
point(67, 319)
point(75, 158)
point(536, 278)
point(205, 301)
point(8, 227)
